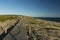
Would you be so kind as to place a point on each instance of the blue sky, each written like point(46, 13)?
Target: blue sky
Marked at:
point(36, 8)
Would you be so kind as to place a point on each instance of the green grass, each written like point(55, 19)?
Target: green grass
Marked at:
point(7, 17)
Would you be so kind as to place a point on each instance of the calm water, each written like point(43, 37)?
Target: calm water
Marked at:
point(49, 19)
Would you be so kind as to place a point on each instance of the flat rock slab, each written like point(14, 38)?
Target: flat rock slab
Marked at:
point(6, 25)
point(1, 30)
point(18, 33)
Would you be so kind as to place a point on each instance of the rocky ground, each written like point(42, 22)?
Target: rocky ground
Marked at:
point(42, 30)
point(5, 25)
point(35, 29)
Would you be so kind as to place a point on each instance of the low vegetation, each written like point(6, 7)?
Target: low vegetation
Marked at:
point(7, 17)
point(41, 29)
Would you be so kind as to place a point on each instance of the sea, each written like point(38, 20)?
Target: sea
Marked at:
point(49, 19)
